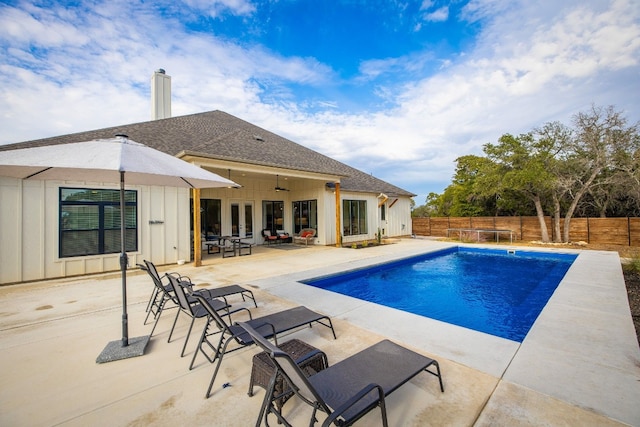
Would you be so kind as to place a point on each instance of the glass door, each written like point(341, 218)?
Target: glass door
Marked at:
point(242, 219)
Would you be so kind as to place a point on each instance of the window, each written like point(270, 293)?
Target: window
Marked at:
point(211, 217)
point(354, 217)
point(305, 215)
point(90, 221)
point(273, 215)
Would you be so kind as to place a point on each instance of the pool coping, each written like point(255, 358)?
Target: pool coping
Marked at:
point(583, 341)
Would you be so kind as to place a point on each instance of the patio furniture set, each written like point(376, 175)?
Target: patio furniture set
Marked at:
point(305, 236)
point(345, 391)
point(229, 246)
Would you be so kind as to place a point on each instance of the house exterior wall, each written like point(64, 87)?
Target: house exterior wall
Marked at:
point(29, 229)
point(398, 221)
point(396, 224)
point(257, 191)
point(29, 223)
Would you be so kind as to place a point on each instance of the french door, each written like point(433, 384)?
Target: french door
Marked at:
point(242, 219)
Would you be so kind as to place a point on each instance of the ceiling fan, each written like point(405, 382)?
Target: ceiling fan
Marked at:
point(278, 188)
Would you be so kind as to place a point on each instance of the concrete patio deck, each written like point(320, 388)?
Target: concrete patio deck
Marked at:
point(579, 365)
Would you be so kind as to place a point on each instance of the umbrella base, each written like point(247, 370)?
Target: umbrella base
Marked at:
point(115, 351)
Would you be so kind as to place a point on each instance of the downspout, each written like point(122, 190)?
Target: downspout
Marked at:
point(338, 234)
point(382, 199)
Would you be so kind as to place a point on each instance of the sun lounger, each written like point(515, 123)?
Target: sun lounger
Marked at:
point(269, 326)
point(165, 294)
point(225, 291)
point(349, 389)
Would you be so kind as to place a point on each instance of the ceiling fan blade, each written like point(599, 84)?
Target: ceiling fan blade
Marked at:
point(278, 188)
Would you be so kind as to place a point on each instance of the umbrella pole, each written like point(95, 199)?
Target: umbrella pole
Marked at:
point(125, 348)
point(123, 265)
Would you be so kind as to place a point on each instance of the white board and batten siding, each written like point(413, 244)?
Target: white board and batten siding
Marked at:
point(29, 224)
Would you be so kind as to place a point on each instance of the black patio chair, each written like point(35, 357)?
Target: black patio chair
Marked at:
point(349, 389)
point(163, 293)
point(166, 295)
point(269, 325)
point(190, 306)
point(156, 298)
point(220, 292)
point(162, 297)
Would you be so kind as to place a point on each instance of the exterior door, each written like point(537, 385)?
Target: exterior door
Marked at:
point(242, 219)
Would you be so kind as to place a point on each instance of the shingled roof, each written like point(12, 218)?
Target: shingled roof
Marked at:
point(218, 135)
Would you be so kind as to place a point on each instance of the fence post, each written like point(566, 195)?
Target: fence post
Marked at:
point(520, 227)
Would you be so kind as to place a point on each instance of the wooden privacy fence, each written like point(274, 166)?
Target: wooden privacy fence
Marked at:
point(612, 231)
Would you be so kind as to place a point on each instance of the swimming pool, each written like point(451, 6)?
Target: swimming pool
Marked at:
point(496, 291)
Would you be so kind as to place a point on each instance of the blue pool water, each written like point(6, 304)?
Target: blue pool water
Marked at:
point(488, 290)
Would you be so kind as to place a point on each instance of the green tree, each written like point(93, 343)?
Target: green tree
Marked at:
point(602, 142)
point(523, 167)
point(551, 145)
point(463, 197)
point(593, 169)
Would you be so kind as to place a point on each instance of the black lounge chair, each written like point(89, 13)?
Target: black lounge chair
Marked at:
point(160, 288)
point(269, 326)
point(225, 291)
point(162, 293)
point(189, 305)
point(166, 294)
point(349, 389)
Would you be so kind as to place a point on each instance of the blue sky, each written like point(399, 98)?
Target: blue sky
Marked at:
point(398, 89)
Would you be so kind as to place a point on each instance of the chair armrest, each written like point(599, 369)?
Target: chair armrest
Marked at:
point(311, 354)
point(273, 330)
point(179, 278)
point(238, 310)
point(206, 293)
point(229, 313)
point(355, 399)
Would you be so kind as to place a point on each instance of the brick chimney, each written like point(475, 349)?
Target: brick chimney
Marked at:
point(160, 95)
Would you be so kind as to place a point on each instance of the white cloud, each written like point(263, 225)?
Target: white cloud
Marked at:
point(426, 4)
point(530, 64)
point(438, 15)
point(46, 31)
point(215, 8)
point(548, 70)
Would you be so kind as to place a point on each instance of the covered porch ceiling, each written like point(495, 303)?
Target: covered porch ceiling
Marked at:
point(245, 172)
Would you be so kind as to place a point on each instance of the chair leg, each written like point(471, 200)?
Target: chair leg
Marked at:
point(267, 400)
point(203, 337)
point(203, 340)
point(186, 339)
point(437, 374)
point(219, 355)
point(152, 297)
point(160, 309)
point(249, 296)
point(153, 303)
point(174, 325)
point(383, 409)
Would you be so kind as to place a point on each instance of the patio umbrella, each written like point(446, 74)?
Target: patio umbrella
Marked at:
point(110, 160)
